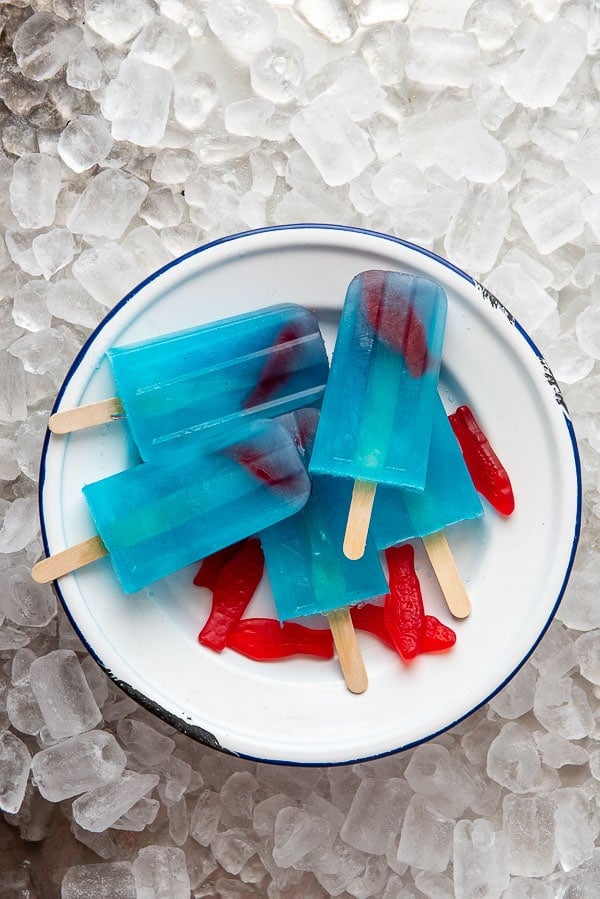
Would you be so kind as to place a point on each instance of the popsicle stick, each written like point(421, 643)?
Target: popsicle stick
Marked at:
point(348, 650)
point(87, 416)
point(68, 560)
point(359, 518)
point(442, 561)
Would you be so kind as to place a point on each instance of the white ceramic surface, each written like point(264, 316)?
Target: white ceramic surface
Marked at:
point(298, 710)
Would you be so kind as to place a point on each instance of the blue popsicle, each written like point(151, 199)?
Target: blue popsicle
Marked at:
point(376, 418)
point(309, 574)
point(198, 381)
point(448, 497)
point(156, 518)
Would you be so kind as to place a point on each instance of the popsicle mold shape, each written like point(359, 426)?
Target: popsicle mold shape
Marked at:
point(193, 382)
point(376, 418)
point(154, 519)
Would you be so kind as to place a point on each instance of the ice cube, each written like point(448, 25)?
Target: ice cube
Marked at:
point(385, 50)
point(374, 818)
point(137, 102)
point(248, 116)
point(205, 817)
point(246, 25)
point(30, 310)
point(277, 72)
point(232, 848)
point(68, 301)
point(104, 881)
point(187, 13)
point(587, 329)
point(34, 187)
point(81, 763)
point(23, 710)
point(562, 707)
point(426, 837)
point(554, 217)
point(15, 762)
point(100, 808)
point(20, 525)
point(442, 57)
point(53, 250)
point(179, 822)
point(588, 651)
point(117, 21)
point(297, 833)
point(162, 208)
point(493, 22)
point(557, 751)
point(194, 98)
point(84, 69)
point(139, 816)
point(147, 250)
point(478, 228)
point(107, 272)
point(549, 61)
point(145, 743)
point(432, 772)
point(338, 147)
point(513, 761)
point(529, 827)
point(237, 794)
point(334, 19)
point(161, 42)
point(84, 142)
point(43, 43)
point(108, 204)
point(25, 602)
point(65, 699)
point(480, 860)
point(516, 698)
point(373, 12)
point(523, 296)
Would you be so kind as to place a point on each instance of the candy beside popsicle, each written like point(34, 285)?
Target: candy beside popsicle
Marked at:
point(156, 518)
point(308, 572)
point(448, 498)
point(257, 365)
point(376, 419)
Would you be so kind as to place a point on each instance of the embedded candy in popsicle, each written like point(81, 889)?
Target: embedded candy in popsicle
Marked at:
point(198, 381)
point(309, 574)
point(448, 497)
point(377, 412)
point(153, 519)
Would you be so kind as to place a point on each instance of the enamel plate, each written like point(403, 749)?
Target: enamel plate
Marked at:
point(298, 710)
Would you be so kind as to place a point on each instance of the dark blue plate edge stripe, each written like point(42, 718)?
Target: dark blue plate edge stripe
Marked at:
point(196, 732)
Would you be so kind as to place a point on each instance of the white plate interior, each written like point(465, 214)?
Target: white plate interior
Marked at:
point(298, 710)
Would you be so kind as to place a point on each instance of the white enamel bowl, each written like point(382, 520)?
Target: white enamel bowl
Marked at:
point(298, 710)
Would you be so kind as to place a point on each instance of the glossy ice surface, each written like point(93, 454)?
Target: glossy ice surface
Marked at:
point(376, 417)
point(308, 571)
point(449, 495)
point(157, 518)
point(260, 364)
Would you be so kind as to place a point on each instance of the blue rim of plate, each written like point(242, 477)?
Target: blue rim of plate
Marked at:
point(198, 733)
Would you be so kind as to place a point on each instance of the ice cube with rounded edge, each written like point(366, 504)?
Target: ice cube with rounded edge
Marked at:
point(84, 142)
point(15, 762)
point(548, 62)
point(117, 21)
point(246, 25)
point(63, 694)
point(278, 71)
point(137, 102)
point(194, 98)
point(161, 42)
point(43, 43)
point(98, 809)
point(34, 188)
point(113, 880)
point(76, 765)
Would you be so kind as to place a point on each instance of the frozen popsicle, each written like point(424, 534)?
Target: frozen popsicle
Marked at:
point(377, 413)
point(308, 571)
point(153, 519)
point(257, 365)
point(448, 498)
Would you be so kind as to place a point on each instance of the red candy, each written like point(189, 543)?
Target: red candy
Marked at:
point(403, 612)
point(487, 472)
point(234, 588)
point(435, 636)
point(277, 367)
point(265, 639)
point(210, 567)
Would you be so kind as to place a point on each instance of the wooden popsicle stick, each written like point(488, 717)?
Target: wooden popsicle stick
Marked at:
point(348, 650)
point(68, 560)
point(442, 561)
point(359, 518)
point(87, 416)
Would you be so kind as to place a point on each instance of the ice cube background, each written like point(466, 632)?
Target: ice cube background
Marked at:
point(134, 130)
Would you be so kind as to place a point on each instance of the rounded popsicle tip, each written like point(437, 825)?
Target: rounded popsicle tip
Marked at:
point(359, 518)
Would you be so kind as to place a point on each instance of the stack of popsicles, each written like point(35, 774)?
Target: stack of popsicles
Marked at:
point(217, 467)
